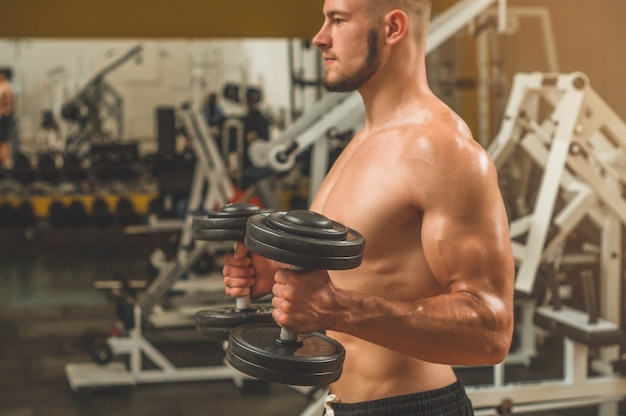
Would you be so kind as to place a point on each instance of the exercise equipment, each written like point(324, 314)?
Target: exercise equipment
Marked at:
point(76, 213)
point(8, 215)
point(96, 109)
point(558, 125)
point(26, 214)
point(228, 224)
point(125, 210)
point(101, 213)
point(57, 214)
point(210, 188)
point(305, 240)
point(96, 345)
point(47, 169)
point(73, 169)
point(23, 170)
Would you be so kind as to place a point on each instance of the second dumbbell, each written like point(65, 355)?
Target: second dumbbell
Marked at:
point(228, 224)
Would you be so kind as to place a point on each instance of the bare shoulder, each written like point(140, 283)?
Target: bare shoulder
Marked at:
point(443, 136)
point(441, 149)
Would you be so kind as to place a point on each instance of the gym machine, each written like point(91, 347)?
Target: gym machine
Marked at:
point(97, 102)
point(211, 188)
point(558, 124)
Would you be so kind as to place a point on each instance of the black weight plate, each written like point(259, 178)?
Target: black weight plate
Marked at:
point(314, 360)
point(100, 352)
point(217, 322)
point(307, 224)
point(307, 261)
point(220, 234)
point(210, 223)
point(238, 209)
point(227, 224)
point(263, 230)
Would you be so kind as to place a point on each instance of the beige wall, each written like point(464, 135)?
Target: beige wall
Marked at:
point(590, 37)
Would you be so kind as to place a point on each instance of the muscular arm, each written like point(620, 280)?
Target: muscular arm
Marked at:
point(466, 244)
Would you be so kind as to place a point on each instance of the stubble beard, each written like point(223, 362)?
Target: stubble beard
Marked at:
point(354, 80)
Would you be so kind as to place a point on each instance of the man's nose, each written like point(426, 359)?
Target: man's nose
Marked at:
point(321, 40)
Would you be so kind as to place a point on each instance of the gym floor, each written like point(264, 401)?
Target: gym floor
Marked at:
point(48, 303)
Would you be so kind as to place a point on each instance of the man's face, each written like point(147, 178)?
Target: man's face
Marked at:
point(349, 45)
point(351, 81)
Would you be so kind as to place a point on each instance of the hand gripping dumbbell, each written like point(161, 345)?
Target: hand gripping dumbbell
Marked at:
point(304, 240)
point(228, 224)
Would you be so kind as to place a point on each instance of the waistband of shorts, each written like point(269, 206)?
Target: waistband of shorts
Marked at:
point(440, 400)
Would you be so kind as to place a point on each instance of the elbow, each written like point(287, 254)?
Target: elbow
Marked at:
point(491, 350)
point(497, 349)
point(497, 336)
point(498, 339)
point(498, 328)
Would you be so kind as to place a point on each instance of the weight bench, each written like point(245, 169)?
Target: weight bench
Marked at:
point(579, 326)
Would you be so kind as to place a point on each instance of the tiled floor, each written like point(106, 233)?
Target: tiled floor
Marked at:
point(47, 305)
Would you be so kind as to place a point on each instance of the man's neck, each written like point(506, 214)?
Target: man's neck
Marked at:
point(387, 94)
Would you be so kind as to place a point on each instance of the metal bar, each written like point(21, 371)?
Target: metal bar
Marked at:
point(448, 23)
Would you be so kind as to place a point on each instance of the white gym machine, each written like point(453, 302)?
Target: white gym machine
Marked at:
point(210, 172)
point(561, 124)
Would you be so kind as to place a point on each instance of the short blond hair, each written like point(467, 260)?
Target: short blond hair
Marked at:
point(418, 11)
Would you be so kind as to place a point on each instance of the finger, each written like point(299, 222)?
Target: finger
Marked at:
point(240, 251)
point(283, 318)
point(237, 292)
point(238, 272)
point(233, 259)
point(239, 282)
point(277, 291)
point(281, 276)
point(277, 316)
point(277, 313)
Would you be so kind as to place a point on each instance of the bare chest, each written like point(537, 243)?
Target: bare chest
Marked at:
point(372, 194)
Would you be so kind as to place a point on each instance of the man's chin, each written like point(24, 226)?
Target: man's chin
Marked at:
point(336, 87)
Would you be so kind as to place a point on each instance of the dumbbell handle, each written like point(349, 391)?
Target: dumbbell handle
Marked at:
point(242, 302)
point(286, 335)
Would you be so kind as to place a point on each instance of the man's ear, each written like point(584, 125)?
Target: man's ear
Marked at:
point(397, 26)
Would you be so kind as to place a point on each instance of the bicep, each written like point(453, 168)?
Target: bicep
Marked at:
point(466, 241)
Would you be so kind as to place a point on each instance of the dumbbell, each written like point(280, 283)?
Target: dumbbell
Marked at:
point(304, 240)
point(227, 224)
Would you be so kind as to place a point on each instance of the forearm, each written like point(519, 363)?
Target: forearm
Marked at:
point(457, 328)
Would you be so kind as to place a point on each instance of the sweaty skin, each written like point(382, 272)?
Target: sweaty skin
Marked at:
point(435, 288)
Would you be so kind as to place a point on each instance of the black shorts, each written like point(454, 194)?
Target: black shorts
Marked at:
point(446, 401)
point(5, 128)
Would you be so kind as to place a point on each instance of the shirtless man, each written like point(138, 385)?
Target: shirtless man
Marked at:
point(435, 288)
point(6, 119)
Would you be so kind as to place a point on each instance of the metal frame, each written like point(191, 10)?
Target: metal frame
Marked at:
point(209, 169)
point(577, 145)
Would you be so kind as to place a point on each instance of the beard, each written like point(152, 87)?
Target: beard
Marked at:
point(354, 80)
